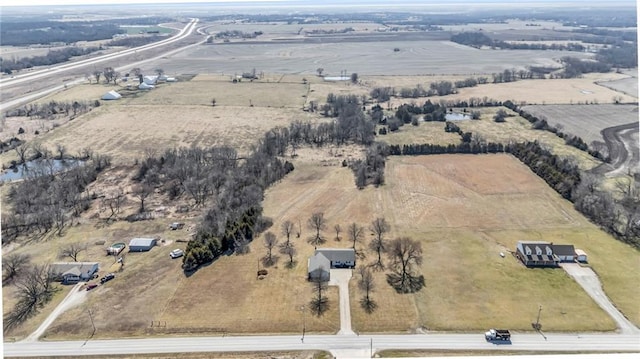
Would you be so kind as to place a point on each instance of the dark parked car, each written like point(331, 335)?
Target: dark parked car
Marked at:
point(107, 278)
point(91, 286)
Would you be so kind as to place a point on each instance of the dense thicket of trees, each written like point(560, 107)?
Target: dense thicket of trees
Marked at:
point(479, 39)
point(46, 32)
point(47, 200)
point(8, 65)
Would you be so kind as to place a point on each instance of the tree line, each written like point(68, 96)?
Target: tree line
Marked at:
point(542, 124)
point(51, 58)
point(52, 109)
point(479, 39)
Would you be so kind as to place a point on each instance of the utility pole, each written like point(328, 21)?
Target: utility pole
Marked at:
point(304, 323)
point(92, 323)
point(537, 325)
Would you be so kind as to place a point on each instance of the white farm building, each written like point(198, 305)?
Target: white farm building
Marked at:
point(141, 244)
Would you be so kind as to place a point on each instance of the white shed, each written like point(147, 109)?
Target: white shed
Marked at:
point(111, 95)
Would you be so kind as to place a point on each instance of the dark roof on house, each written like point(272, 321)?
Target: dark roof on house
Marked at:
point(338, 254)
point(563, 249)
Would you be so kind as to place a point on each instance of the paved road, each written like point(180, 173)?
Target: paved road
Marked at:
point(589, 281)
point(334, 343)
point(40, 74)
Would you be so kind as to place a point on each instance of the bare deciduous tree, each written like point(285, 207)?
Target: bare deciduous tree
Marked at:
point(72, 250)
point(34, 290)
point(141, 192)
point(337, 229)
point(270, 241)
point(290, 251)
point(356, 233)
point(114, 201)
point(317, 223)
point(13, 265)
point(320, 303)
point(379, 227)
point(367, 285)
point(404, 254)
point(287, 229)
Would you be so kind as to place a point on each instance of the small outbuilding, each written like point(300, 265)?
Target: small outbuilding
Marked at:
point(73, 272)
point(111, 95)
point(581, 256)
point(565, 252)
point(141, 244)
point(150, 80)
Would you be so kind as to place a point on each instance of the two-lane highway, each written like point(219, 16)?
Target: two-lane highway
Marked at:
point(551, 342)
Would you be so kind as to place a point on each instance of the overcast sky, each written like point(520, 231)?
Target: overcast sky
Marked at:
point(95, 2)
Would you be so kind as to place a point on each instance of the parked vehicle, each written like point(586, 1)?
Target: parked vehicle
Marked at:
point(497, 334)
point(91, 286)
point(176, 253)
point(107, 278)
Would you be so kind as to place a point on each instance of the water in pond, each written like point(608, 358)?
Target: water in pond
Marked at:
point(456, 116)
point(37, 168)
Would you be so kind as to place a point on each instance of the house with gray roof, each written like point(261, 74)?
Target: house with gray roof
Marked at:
point(73, 272)
point(325, 259)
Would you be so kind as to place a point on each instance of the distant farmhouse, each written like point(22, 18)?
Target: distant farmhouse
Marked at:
point(73, 272)
point(323, 260)
point(545, 254)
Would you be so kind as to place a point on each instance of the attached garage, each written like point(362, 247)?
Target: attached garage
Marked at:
point(581, 256)
point(141, 244)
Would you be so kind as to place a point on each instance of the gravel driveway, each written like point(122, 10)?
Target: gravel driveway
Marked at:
point(589, 281)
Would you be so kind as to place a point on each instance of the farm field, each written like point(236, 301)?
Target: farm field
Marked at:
point(627, 85)
point(364, 57)
point(585, 121)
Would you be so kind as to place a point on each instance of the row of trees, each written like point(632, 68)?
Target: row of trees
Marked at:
point(23, 32)
point(542, 124)
point(479, 39)
point(53, 109)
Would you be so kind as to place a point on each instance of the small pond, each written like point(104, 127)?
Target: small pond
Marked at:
point(456, 116)
point(37, 168)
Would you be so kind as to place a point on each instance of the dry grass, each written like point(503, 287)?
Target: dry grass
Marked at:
point(307, 354)
point(466, 210)
point(425, 132)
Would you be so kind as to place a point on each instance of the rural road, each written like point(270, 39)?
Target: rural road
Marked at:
point(337, 344)
point(622, 145)
point(589, 281)
point(35, 75)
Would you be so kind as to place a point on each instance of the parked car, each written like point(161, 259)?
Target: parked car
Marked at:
point(91, 286)
point(176, 253)
point(107, 278)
